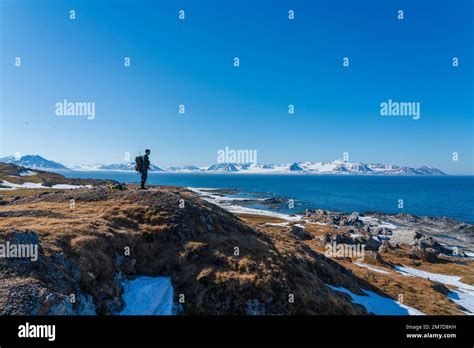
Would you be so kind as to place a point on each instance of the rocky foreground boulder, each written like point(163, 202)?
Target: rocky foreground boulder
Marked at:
point(92, 239)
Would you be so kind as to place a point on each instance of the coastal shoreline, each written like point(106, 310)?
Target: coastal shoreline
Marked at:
point(405, 222)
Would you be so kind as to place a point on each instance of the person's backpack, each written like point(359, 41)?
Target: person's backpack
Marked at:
point(138, 163)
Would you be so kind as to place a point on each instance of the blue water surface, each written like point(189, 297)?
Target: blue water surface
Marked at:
point(450, 196)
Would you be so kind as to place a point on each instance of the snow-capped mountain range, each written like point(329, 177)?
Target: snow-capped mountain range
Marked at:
point(334, 167)
point(34, 162)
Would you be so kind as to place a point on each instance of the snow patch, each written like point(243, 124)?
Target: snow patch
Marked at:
point(355, 235)
point(33, 185)
point(374, 221)
point(148, 296)
point(70, 187)
point(377, 304)
point(27, 173)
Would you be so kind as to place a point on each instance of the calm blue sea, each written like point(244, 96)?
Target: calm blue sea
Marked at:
point(451, 196)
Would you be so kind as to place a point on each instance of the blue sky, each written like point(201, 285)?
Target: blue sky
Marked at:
point(283, 62)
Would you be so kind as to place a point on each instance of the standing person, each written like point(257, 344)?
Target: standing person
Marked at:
point(144, 169)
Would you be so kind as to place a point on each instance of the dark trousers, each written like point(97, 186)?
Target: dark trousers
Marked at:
point(144, 177)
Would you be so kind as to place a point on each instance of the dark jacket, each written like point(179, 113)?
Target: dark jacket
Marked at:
point(146, 163)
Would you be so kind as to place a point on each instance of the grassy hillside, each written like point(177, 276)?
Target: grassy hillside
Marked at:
point(195, 246)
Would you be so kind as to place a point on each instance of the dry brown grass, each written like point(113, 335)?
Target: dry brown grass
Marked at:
point(7, 195)
point(256, 219)
point(318, 230)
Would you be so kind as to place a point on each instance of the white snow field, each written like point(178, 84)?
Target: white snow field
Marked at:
point(377, 304)
point(148, 296)
point(33, 185)
point(464, 296)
